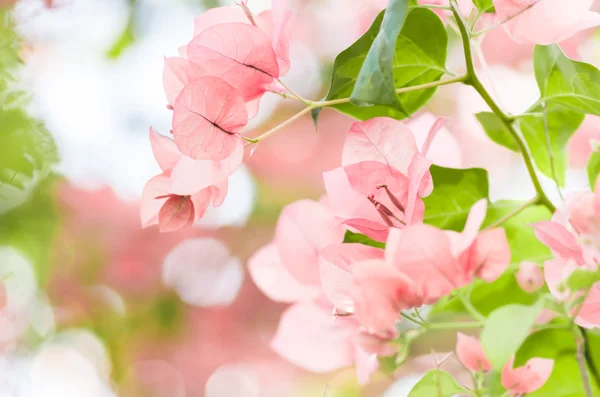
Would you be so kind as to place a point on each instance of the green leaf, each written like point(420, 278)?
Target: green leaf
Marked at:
point(582, 279)
point(524, 245)
point(455, 192)
point(27, 151)
point(496, 130)
point(487, 297)
point(573, 84)
point(419, 58)
point(31, 227)
point(484, 5)
point(556, 131)
point(505, 330)
point(375, 83)
point(593, 168)
point(436, 383)
point(358, 238)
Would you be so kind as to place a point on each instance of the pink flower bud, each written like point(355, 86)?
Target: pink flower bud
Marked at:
point(530, 277)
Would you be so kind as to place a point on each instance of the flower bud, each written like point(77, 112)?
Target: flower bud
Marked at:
point(530, 277)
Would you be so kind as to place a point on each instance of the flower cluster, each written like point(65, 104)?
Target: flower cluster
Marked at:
point(377, 191)
point(573, 235)
point(213, 87)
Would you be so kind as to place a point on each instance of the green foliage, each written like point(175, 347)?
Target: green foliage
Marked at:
point(487, 297)
point(547, 134)
point(496, 130)
point(27, 151)
point(375, 83)
point(127, 37)
point(31, 227)
point(358, 238)
point(484, 5)
point(523, 243)
point(593, 168)
point(436, 383)
point(455, 191)
point(575, 85)
point(505, 330)
point(419, 58)
point(583, 279)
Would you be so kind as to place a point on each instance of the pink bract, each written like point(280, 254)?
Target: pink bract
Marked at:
point(207, 117)
point(545, 21)
point(526, 379)
point(530, 277)
point(470, 353)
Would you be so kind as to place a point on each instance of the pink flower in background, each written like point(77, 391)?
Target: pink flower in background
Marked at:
point(545, 21)
point(381, 180)
point(185, 189)
point(471, 354)
point(290, 270)
point(526, 379)
point(580, 145)
point(530, 277)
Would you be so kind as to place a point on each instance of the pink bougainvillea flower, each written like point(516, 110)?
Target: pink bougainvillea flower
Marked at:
point(545, 21)
point(291, 270)
point(381, 179)
point(275, 23)
point(335, 265)
point(471, 354)
point(556, 273)
point(526, 379)
point(422, 264)
point(207, 117)
point(303, 229)
point(434, 261)
point(177, 73)
point(287, 270)
point(186, 188)
point(530, 277)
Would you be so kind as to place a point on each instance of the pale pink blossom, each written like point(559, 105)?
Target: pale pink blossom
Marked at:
point(186, 188)
point(423, 264)
point(470, 353)
point(382, 178)
point(208, 115)
point(573, 235)
point(526, 379)
point(545, 21)
point(530, 277)
point(580, 145)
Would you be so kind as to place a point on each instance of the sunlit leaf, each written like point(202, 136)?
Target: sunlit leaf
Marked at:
point(420, 58)
point(593, 168)
point(351, 237)
point(505, 330)
point(375, 83)
point(436, 383)
point(455, 191)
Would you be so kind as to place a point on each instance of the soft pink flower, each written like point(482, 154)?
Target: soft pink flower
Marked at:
point(185, 189)
point(530, 277)
point(423, 264)
point(208, 115)
point(526, 379)
point(381, 180)
point(545, 21)
point(471, 354)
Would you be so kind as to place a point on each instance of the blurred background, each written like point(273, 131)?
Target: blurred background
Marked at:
point(91, 304)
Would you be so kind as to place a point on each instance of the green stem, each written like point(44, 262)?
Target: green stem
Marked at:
point(514, 213)
point(581, 359)
point(474, 81)
point(472, 310)
point(409, 318)
point(456, 325)
point(320, 104)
